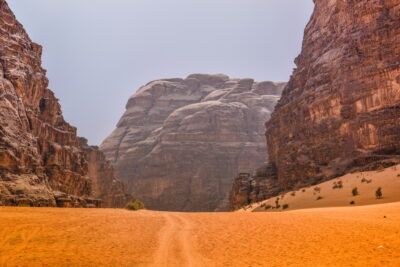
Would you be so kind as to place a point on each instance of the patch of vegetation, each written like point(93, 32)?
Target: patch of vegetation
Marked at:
point(319, 198)
point(354, 191)
point(337, 185)
point(267, 207)
point(378, 193)
point(398, 175)
point(303, 190)
point(317, 189)
point(364, 180)
point(277, 206)
point(23, 205)
point(135, 205)
point(285, 206)
point(293, 194)
point(352, 202)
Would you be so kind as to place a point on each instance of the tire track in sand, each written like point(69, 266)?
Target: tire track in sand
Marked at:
point(176, 243)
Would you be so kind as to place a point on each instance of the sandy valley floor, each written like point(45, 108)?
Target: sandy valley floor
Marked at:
point(350, 236)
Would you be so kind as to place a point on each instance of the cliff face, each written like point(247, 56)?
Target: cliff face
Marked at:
point(105, 186)
point(341, 109)
point(41, 163)
point(181, 141)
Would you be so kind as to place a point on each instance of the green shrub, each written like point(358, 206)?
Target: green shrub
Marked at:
point(135, 205)
point(354, 192)
point(285, 206)
point(352, 202)
point(378, 193)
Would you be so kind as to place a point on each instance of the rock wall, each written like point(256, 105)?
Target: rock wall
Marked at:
point(181, 141)
point(41, 163)
point(341, 108)
point(105, 186)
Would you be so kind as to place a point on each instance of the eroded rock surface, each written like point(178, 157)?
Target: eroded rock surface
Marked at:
point(340, 112)
point(41, 162)
point(181, 141)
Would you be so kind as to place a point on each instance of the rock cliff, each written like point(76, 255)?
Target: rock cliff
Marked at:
point(340, 111)
point(181, 141)
point(41, 162)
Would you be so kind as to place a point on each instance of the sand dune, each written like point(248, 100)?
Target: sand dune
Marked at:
point(353, 236)
point(325, 195)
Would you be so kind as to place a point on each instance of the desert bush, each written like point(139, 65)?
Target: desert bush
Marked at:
point(337, 185)
point(285, 206)
point(352, 202)
point(398, 175)
point(364, 180)
point(293, 193)
point(317, 189)
point(378, 193)
point(303, 190)
point(267, 207)
point(354, 192)
point(135, 205)
point(277, 206)
point(319, 198)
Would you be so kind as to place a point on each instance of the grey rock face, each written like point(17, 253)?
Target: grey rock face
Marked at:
point(181, 141)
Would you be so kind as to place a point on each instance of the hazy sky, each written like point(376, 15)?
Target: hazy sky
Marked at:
point(99, 52)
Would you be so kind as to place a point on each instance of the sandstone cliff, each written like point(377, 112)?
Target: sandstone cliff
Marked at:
point(105, 186)
point(340, 111)
point(181, 141)
point(41, 163)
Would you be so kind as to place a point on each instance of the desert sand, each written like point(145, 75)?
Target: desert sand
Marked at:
point(325, 195)
point(347, 236)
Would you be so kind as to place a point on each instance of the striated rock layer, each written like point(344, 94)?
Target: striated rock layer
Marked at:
point(41, 163)
point(181, 141)
point(340, 112)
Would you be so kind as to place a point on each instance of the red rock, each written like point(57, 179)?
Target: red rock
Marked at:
point(340, 111)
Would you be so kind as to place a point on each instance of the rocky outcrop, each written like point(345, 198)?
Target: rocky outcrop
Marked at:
point(41, 162)
point(105, 186)
point(340, 112)
point(181, 141)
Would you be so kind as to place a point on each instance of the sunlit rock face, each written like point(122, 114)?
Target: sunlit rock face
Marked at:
point(41, 162)
point(341, 108)
point(181, 141)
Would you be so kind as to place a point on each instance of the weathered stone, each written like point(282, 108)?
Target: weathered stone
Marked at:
point(181, 141)
point(41, 162)
point(340, 111)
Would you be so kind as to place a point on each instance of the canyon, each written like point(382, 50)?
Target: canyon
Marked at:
point(181, 141)
point(340, 111)
point(41, 160)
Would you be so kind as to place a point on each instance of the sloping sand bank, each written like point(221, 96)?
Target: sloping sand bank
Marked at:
point(339, 192)
point(352, 236)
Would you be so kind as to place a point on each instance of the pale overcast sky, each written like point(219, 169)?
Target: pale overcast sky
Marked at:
point(99, 52)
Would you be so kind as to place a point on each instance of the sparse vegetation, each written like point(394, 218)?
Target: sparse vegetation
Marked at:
point(378, 193)
point(135, 205)
point(352, 202)
point(267, 207)
point(317, 189)
point(293, 194)
point(319, 198)
point(303, 190)
point(354, 191)
point(398, 175)
point(285, 206)
point(277, 206)
point(337, 185)
point(23, 205)
point(364, 180)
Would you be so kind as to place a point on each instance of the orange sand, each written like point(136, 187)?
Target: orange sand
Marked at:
point(352, 236)
point(388, 179)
